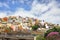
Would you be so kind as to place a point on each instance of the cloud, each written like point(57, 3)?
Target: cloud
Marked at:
point(52, 16)
point(4, 4)
point(2, 14)
point(23, 13)
point(38, 9)
point(49, 13)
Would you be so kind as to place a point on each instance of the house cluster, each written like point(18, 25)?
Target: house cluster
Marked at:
point(24, 24)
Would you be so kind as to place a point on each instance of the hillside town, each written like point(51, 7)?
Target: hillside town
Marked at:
point(27, 25)
point(24, 24)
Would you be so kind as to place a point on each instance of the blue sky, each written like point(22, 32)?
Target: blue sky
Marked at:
point(48, 10)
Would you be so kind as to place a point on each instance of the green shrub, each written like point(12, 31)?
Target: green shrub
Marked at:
point(39, 37)
point(52, 30)
point(35, 27)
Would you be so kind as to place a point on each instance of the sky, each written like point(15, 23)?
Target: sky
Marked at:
point(48, 10)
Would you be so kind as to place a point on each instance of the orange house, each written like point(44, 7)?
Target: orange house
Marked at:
point(5, 19)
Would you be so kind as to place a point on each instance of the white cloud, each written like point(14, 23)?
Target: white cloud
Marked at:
point(23, 13)
point(4, 4)
point(39, 8)
point(49, 16)
point(0, 5)
point(21, 1)
point(13, 2)
point(52, 16)
point(2, 14)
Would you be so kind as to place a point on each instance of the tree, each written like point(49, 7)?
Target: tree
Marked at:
point(35, 27)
